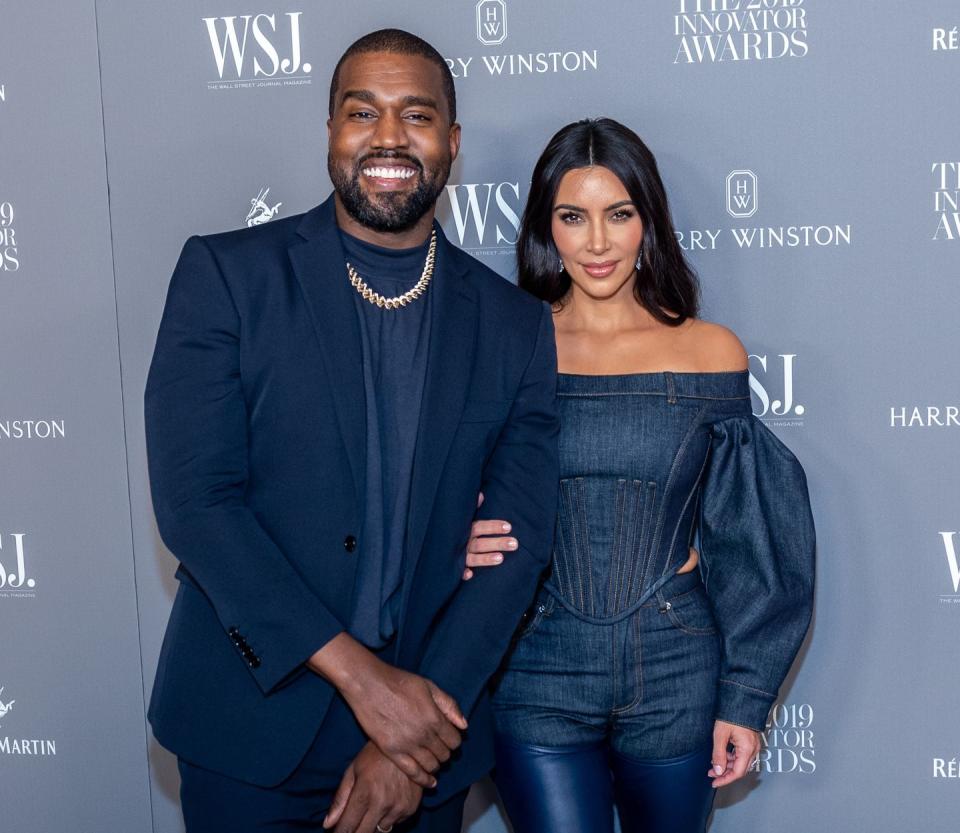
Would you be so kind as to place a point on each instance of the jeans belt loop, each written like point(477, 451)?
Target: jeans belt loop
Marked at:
point(671, 387)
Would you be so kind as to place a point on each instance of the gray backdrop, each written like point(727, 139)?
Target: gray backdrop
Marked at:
point(811, 153)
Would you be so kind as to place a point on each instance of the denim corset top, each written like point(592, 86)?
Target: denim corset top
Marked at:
point(636, 452)
point(651, 463)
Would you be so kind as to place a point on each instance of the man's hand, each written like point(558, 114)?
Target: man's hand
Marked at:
point(730, 766)
point(413, 722)
point(373, 792)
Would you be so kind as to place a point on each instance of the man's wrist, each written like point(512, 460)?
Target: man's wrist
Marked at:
point(342, 662)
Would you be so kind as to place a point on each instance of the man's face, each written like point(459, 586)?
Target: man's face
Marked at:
point(391, 140)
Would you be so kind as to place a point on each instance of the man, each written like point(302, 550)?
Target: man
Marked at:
point(328, 395)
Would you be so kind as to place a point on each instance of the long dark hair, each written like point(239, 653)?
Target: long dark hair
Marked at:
point(667, 286)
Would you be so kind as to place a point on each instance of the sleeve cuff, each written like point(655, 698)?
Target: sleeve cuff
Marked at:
point(743, 705)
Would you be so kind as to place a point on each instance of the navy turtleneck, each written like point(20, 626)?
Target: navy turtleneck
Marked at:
point(395, 344)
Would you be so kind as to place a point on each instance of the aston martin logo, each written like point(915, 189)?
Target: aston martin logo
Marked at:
point(5, 707)
point(260, 212)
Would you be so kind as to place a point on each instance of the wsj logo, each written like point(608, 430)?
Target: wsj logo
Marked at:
point(491, 22)
point(950, 548)
point(486, 215)
point(16, 582)
point(741, 193)
point(238, 60)
point(781, 411)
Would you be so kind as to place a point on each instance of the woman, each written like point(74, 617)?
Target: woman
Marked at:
point(638, 681)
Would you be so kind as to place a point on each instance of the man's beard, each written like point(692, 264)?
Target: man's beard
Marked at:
point(391, 211)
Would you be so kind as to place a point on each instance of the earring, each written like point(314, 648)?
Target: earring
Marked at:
point(561, 265)
point(640, 259)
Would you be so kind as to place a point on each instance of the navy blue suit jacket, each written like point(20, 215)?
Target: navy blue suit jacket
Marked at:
point(255, 422)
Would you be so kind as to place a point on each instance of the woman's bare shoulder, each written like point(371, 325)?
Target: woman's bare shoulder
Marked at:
point(715, 348)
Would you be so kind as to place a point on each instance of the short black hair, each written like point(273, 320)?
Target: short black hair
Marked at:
point(667, 286)
point(398, 42)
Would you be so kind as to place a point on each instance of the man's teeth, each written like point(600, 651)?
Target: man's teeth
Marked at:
point(389, 173)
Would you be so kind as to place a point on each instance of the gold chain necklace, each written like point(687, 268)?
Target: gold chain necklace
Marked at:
point(400, 300)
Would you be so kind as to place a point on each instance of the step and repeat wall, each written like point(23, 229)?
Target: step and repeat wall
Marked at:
point(811, 151)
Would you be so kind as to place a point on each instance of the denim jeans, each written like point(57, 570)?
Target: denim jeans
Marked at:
point(646, 683)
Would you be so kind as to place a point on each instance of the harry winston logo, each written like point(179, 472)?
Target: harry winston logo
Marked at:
point(491, 22)
point(741, 193)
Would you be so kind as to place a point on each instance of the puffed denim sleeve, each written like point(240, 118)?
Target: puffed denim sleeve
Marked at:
point(757, 548)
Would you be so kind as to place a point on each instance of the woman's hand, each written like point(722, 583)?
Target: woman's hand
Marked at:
point(691, 563)
point(730, 766)
point(488, 543)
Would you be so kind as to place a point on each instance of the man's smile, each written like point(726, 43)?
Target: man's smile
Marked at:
point(388, 172)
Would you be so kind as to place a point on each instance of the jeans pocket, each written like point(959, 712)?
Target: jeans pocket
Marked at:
point(690, 612)
point(541, 609)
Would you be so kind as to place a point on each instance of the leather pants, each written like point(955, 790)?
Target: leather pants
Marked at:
point(575, 789)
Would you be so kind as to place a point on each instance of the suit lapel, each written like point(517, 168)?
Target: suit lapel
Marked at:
point(453, 336)
point(320, 267)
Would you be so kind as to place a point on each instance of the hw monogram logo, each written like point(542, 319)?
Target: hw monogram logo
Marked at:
point(474, 220)
point(951, 550)
point(229, 38)
point(741, 193)
point(781, 411)
point(491, 22)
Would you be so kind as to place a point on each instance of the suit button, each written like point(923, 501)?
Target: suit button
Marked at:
point(349, 543)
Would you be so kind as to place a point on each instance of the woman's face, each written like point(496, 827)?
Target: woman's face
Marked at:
point(597, 231)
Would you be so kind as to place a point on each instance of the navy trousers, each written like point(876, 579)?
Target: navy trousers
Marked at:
point(213, 803)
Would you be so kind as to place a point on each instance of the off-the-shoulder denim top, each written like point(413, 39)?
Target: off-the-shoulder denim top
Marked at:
point(650, 462)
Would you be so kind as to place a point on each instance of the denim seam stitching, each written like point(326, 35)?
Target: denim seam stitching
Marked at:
point(678, 624)
point(613, 587)
point(637, 673)
point(749, 688)
point(587, 553)
point(577, 538)
point(653, 393)
point(560, 550)
point(664, 501)
point(683, 513)
point(641, 507)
